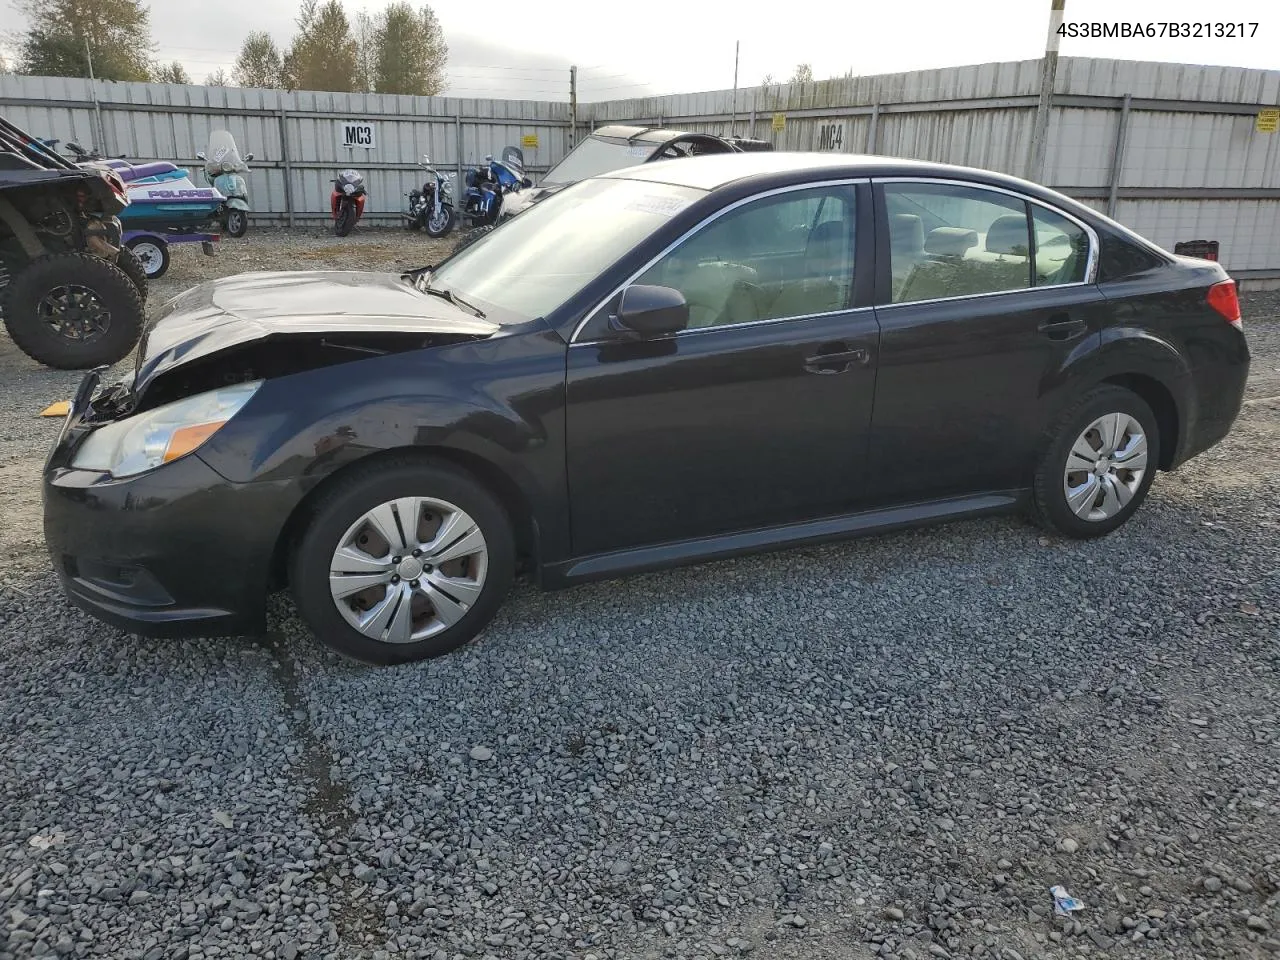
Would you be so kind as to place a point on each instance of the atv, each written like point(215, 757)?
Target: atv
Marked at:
point(71, 294)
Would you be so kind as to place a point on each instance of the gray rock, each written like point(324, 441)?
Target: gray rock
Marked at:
point(481, 753)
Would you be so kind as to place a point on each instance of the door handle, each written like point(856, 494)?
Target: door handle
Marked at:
point(1061, 326)
point(837, 360)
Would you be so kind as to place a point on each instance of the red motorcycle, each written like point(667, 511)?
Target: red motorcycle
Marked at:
point(347, 201)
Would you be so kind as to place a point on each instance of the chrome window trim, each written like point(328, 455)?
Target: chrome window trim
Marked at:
point(594, 311)
point(1091, 266)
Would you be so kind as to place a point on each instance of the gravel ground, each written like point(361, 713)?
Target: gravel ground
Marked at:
point(886, 748)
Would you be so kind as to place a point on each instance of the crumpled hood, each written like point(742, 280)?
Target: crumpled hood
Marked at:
point(220, 314)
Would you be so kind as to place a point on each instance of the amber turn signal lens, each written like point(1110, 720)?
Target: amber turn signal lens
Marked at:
point(186, 439)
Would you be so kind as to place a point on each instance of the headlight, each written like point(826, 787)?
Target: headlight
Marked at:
point(348, 188)
point(166, 433)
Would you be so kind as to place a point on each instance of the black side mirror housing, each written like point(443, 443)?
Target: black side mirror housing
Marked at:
point(248, 157)
point(651, 311)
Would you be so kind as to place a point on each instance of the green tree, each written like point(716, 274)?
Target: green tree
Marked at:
point(366, 31)
point(803, 74)
point(260, 63)
point(410, 51)
point(118, 34)
point(217, 79)
point(324, 53)
point(171, 73)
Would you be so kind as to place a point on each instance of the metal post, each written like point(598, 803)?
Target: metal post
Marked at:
point(872, 124)
point(733, 117)
point(1048, 74)
point(1117, 158)
point(573, 107)
point(457, 128)
point(288, 166)
point(93, 95)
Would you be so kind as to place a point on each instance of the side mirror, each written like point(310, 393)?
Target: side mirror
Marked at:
point(201, 156)
point(248, 157)
point(651, 311)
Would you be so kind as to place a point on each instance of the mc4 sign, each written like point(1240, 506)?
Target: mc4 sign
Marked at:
point(831, 136)
point(356, 134)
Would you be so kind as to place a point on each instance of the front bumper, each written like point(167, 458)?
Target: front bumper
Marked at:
point(176, 551)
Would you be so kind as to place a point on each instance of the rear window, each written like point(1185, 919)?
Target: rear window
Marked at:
point(1119, 258)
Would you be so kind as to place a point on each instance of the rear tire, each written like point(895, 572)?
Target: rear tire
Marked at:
point(1114, 431)
point(236, 223)
point(472, 235)
point(133, 268)
point(34, 289)
point(337, 530)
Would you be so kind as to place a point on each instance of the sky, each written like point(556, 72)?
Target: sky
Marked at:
point(649, 47)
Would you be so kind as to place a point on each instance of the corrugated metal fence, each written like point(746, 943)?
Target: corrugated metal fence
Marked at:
point(296, 137)
point(1173, 150)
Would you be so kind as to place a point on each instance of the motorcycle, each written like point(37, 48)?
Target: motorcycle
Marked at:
point(488, 184)
point(223, 170)
point(347, 201)
point(431, 208)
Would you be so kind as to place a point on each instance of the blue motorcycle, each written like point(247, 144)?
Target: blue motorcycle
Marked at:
point(488, 184)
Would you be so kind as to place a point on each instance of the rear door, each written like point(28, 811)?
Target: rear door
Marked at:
point(977, 324)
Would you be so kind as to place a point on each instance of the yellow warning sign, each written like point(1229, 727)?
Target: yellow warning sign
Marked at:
point(529, 140)
point(1267, 121)
point(779, 122)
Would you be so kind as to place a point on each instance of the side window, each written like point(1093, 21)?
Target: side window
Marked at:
point(954, 241)
point(1062, 248)
point(789, 255)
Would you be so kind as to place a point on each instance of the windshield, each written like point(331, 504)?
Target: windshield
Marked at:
point(539, 259)
point(594, 156)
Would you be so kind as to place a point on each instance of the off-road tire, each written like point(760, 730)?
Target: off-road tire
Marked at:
point(41, 342)
point(343, 503)
point(128, 261)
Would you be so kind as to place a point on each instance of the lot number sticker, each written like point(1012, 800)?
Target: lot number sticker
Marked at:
point(356, 134)
point(831, 136)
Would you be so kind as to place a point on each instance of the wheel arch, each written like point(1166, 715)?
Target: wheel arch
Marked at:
point(519, 510)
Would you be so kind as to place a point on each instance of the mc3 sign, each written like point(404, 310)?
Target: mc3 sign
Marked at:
point(357, 134)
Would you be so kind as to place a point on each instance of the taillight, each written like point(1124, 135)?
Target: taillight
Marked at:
point(1222, 297)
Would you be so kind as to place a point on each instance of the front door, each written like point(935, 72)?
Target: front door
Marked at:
point(756, 415)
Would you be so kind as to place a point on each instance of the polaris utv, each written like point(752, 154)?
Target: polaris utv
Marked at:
point(71, 295)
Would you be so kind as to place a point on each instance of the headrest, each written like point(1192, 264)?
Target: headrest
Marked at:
point(906, 232)
point(831, 233)
point(950, 241)
point(1008, 235)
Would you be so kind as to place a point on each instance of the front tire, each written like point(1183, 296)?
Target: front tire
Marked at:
point(402, 561)
point(439, 226)
point(73, 311)
point(1099, 462)
point(345, 220)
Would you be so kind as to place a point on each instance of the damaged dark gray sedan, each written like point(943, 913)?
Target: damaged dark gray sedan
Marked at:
point(662, 365)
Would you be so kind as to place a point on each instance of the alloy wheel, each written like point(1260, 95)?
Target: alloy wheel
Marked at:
point(408, 569)
point(75, 312)
point(1105, 467)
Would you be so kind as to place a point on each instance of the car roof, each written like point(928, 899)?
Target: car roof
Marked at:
point(719, 170)
point(644, 134)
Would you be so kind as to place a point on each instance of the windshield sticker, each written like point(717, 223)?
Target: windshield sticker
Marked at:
point(638, 151)
point(663, 206)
